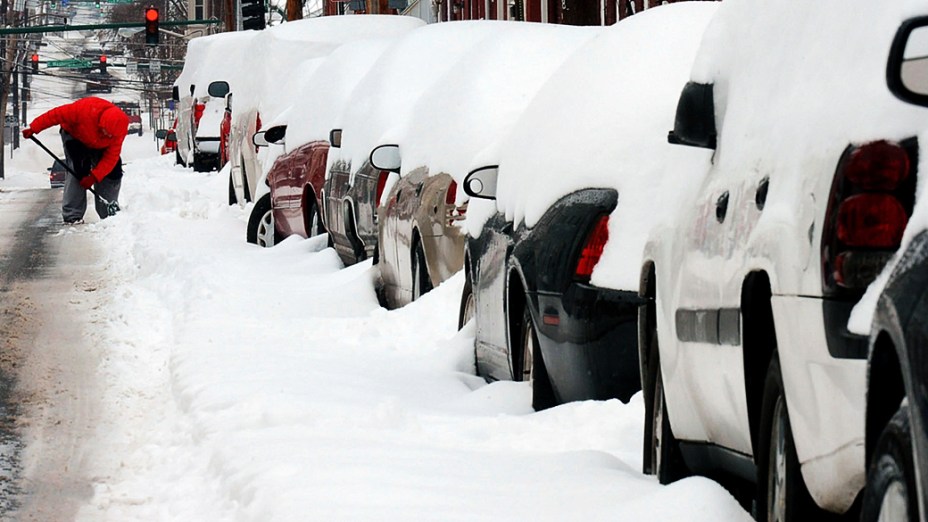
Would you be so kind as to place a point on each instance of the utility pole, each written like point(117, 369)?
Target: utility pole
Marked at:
point(14, 90)
point(4, 6)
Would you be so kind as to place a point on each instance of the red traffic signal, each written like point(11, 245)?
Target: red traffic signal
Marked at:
point(151, 26)
point(103, 63)
point(35, 63)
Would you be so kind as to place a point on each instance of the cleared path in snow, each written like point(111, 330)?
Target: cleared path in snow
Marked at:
point(48, 393)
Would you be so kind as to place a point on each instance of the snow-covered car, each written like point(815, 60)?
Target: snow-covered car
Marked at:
point(804, 168)
point(206, 62)
point(277, 52)
point(421, 243)
point(293, 203)
point(897, 370)
point(548, 263)
point(291, 207)
point(208, 114)
point(382, 104)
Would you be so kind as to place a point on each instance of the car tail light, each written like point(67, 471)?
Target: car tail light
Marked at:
point(871, 220)
point(453, 213)
point(452, 193)
point(593, 248)
point(257, 127)
point(198, 112)
point(871, 200)
point(877, 166)
point(381, 184)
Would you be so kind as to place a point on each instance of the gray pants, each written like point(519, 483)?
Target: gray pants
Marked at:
point(82, 159)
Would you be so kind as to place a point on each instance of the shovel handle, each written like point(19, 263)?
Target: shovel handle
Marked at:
point(66, 166)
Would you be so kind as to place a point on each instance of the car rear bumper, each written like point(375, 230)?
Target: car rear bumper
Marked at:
point(589, 342)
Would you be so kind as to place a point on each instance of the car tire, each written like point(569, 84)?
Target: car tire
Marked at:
point(261, 230)
point(468, 303)
point(421, 282)
point(532, 365)
point(891, 492)
point(782, 493)
point(313, 224)
point(233, 199)
point(198, 165)
point(661, 447)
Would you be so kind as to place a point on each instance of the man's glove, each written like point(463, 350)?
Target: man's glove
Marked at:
point(88, 181)
point(27, 133)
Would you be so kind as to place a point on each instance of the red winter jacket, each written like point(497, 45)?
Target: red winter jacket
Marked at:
point(89, 120)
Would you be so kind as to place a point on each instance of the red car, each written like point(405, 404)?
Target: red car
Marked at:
point(293, 206)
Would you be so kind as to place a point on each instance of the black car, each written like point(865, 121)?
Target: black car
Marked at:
point(897, 367)
point(538, 318)
point(56, 175)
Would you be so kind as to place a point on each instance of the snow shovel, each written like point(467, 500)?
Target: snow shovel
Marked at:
point(112, 207)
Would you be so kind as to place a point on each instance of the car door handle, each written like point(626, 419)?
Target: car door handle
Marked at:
point(721, 207)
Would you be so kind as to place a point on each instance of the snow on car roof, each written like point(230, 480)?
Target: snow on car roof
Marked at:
point(278, 50)
point(475, 104)
point(610, 133)
point(323, 91)
point(383, 99)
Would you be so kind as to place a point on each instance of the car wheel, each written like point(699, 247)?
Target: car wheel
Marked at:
point(421, 282)
point(783, 495)
point(233, 199)
point(468, 303)
point(891, 494)
point(198, 163)
point(261, 229)
point(313, 224)
point(661, 447)
point(533, 365)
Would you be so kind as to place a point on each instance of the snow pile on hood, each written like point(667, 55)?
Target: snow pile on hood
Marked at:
point(473, 106)
point(327, 90)
point(611, 133)
point(383, 101)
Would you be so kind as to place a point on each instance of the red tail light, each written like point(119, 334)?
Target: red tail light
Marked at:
point(872, 196)
point(198, 112)
point(872, 221)
point(381, 184)
point(452, 193)
point(257, 127)
point(593, 249)
point(877, 166)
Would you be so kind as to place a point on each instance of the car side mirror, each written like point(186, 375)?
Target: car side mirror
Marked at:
point(218, 89)
point(161, 134)
point(907, 68)
point(694, 124)
point(276, 134)
point(387, 157)
point(259, 139)
point(481, 183)
point(335, 138)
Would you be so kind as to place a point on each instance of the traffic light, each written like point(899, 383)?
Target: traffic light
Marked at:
point(103, 63)
point(252, 14)
point(35, 63)
point(151, 26)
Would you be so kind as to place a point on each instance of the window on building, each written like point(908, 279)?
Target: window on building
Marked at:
point(198, 10)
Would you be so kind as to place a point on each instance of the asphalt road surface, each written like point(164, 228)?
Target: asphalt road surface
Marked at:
point(49, 394)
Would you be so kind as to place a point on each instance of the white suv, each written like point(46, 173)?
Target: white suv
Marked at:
point(805, 170)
